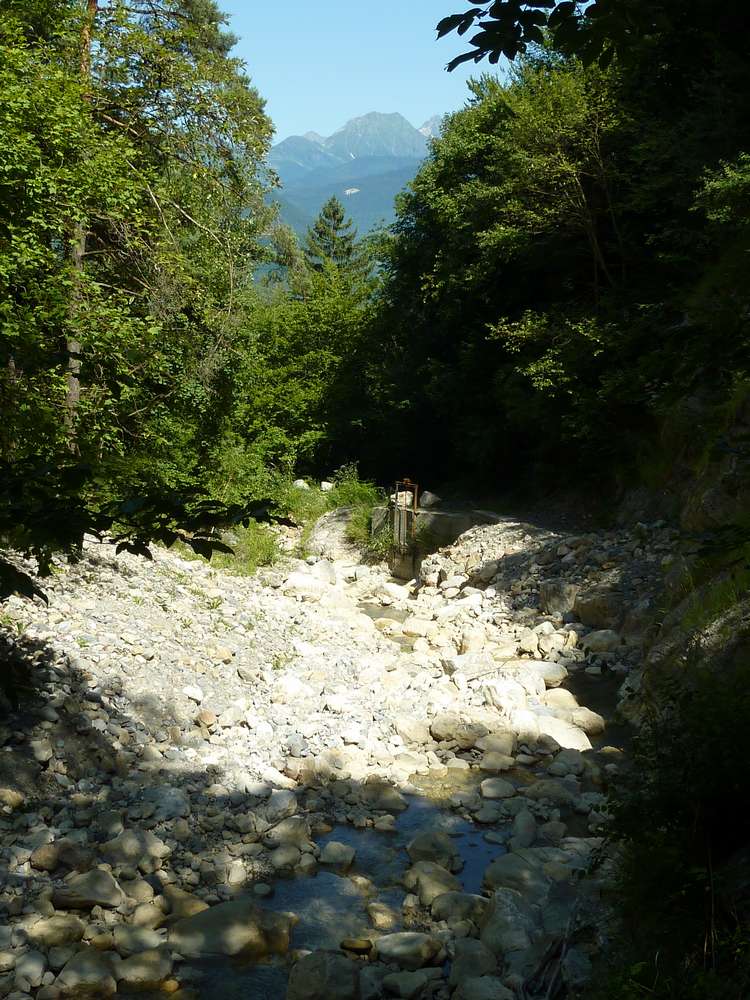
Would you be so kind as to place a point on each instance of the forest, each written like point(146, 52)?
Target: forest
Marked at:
point(569, 262)
point(563, 297)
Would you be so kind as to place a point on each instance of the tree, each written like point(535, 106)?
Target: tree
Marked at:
point(136, 254)
point(332, 237)
point(593, 31)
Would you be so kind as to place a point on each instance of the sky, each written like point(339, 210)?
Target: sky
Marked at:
point(319, 63)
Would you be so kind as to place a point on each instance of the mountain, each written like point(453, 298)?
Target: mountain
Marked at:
point(365, 164)
point(431, 128)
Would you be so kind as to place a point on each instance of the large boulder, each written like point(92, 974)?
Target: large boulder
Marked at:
point(409, 949)
point(146, 970)
point(483, 988)
point(599, 607)
point(233, 928)
point(564, 733)
point(328, 538)
point(434, 845)
point(324, 975)
point(430, 880)
point(88, 974)
point(82, 892)
point(519, 872)
point(557, 596)
point(56, 931)
point(507, 924)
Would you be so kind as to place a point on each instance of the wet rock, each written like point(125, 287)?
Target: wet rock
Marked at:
point(435, 846)
point(382, 796)
point(146, 970)
point(548, 788)
point(338, 855)
point(523, 831)
point(382, 917)
point(601, 641)
point(409, 949)
point(409, 985)
point(324, 975)
point(507, 924)
point(293, 830)
point(88, 974)
point(495, 763)
point(230, 928)
point(94, 888)
point(430, 880)
point(457, 906)
point(483, 988)
point(496, 788)
point(517, 871)
point(285, 858)
point(471, 958)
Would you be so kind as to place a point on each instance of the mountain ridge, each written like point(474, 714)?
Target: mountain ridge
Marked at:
point(365, 163)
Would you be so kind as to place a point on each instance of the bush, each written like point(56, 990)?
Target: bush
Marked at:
point(681, 816)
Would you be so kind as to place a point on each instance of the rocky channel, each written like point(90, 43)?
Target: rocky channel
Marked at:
point(319, 783)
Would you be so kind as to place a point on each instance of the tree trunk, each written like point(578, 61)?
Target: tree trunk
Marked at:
point(77, 254)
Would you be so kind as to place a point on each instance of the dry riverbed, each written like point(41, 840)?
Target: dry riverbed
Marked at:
point(318, 783)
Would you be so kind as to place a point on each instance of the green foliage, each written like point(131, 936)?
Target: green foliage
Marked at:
point(251, 547)
point(331, 238)
point(680, 814)
point(43, 511)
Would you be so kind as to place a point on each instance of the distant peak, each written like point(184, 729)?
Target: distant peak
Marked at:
point(314, 137)
point(432, 127)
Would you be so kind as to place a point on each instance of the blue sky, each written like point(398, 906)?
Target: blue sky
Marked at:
point(320, 62)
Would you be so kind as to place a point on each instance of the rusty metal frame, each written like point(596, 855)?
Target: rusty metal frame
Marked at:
point(405, 532)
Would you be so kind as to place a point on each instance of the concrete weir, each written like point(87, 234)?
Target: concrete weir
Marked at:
point(428, 528)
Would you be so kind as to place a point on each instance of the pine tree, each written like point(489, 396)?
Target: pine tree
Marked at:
point(332, 237)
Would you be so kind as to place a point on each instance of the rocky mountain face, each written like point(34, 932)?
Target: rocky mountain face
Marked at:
point(365, 164)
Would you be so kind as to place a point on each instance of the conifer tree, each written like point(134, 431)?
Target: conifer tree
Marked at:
point(332, 237)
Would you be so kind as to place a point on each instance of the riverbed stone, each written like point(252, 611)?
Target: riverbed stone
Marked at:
point(429, 880)
point(565, 734)
point(324, 975)
point(517, 871)
point(457, 906)
point(409, 949)
point(83, 891)
point(496, 788)
point(409, 985)
point(338, 855)
point(470, 958)
point(507, 924)
point(483, 988)
point(56, 931)
point(146, 970)
point(433, 845)
point(88, 974)
point(233, 927)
